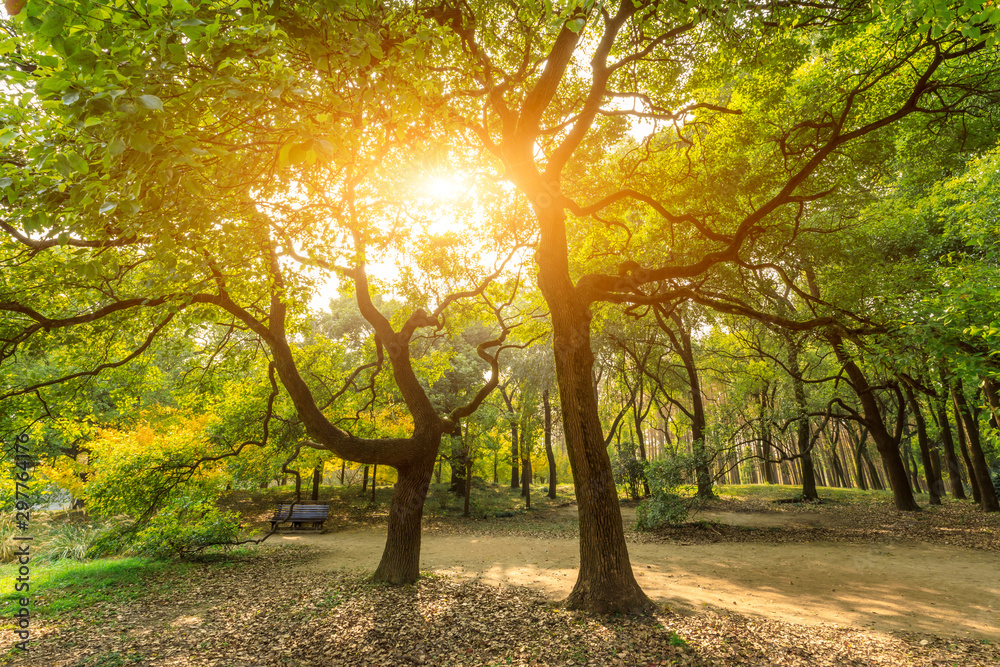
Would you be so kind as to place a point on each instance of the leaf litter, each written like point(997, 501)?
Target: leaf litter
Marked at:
point(262, 610)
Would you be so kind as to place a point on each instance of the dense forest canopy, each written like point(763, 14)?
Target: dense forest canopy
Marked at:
point(595, 239)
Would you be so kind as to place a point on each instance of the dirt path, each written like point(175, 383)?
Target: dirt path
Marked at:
point(940, 591)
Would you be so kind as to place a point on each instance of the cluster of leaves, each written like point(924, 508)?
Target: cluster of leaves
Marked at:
point(665, 506)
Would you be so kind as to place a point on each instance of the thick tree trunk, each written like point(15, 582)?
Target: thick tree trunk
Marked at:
point(550, 455)
point(605, 583)
point(934, 486)
point(886, 444)
point(400, 562)
point(987, 495)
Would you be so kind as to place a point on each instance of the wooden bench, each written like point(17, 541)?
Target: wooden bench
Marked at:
point(301, 516)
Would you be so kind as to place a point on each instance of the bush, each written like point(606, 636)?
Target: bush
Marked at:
point(665, 507)
point(996, 481)
point(186, 526)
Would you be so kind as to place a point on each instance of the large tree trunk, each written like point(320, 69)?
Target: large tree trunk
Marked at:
point(886, 443)
point(550, 455)
point(934, 485)
point(987, 495)
point(400, 562)
point(605, 583)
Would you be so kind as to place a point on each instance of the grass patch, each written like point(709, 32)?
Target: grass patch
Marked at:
point(66, 586)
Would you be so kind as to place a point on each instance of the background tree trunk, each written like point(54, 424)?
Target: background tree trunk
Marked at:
point(987, 495)
point(934, 486)
point(548, 444)
point(317, 478)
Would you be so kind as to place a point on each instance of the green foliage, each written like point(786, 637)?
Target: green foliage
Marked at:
point(628, 470)
point(186, 526)
point(665, 507)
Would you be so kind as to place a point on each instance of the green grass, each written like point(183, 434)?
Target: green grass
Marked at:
point(68, 585)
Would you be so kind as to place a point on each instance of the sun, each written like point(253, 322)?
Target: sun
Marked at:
point(442, 188)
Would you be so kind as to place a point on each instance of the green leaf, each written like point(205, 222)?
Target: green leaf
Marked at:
point(151, 102)
point(108, 206)
point(7, 136)
point(141, 142)
point(6, 182)
point(79, 164)
point(71, 97)
point(63, 166)
point(116, 147)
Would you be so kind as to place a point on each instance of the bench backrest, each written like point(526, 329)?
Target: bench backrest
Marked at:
point(302, 511)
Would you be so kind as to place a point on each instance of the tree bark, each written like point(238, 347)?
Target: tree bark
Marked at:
point(703, 473)
point(987, 495)
point(934, 486)
point(515, 454)
point(809, 491)
point(317, 478)
point(964, 448)
point(605, 583)
point(400, 562)
point(950, 459)
point(548, 444)
point(886, 443)
point(468, 486)
point(458, 456)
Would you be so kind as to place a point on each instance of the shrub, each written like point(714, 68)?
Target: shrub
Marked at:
point(665, 507)
point(186, 526)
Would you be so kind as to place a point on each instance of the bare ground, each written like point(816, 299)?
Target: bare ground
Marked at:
point(751, 583)
point(943, 590)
